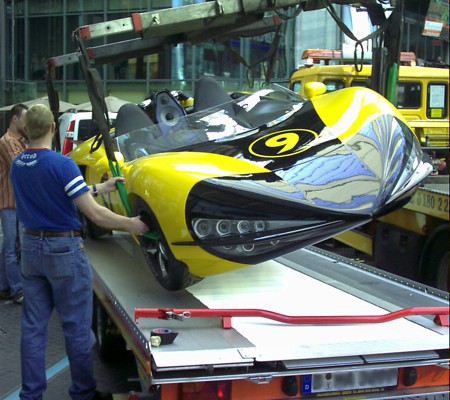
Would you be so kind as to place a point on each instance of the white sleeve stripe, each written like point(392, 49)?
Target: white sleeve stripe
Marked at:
point(72, 182)
point(76, 189)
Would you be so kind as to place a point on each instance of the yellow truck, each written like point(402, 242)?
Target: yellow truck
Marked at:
point(413, 241)
point(422, 92)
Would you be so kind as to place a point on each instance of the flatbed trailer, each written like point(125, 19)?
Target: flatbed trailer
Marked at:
point(249, 357)
point(257, 358)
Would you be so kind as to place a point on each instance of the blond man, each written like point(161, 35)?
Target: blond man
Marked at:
point(56, 273)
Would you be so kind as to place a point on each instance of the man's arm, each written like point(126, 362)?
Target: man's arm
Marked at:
point(102, 216)
point(109, 186)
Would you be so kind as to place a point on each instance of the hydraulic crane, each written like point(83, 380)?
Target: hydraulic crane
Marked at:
point(219, 20)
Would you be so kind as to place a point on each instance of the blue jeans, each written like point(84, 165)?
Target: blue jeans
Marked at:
point(10, 264)
point(56, 274)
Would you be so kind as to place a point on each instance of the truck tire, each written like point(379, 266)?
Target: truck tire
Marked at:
point(435, 263)
point(171, 273)
point(111, 344)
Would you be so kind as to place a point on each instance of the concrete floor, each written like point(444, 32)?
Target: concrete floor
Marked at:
point(113, 376)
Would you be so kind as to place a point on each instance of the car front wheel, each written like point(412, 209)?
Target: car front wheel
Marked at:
point(171, 273)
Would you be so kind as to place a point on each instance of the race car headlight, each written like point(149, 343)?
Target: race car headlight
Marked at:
point(259, 226)
point(251, 218)
point(202, 227)
point(208, 228)
point(243, 226)
point(223, 227)
point(242, 238)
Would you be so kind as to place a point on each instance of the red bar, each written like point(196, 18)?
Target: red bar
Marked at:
point(276, 20)
point(164, 313)
point(91, 53)
point(441, 319)
point(52, 62)
point(137, 22)
point(84, 32)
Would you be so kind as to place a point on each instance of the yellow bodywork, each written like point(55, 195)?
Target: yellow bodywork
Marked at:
point(349, 109)
point(164, 181)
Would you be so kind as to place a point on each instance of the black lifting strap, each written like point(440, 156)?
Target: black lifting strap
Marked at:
point(99, 110)
point(358, 42)
point(53, 101)
point(270, 56)
point(97, 98)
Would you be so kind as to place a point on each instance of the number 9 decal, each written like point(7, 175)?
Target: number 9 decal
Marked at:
point(285, 141)
point(282, 143)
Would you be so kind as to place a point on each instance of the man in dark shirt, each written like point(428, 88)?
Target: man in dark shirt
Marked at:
point(56, 273)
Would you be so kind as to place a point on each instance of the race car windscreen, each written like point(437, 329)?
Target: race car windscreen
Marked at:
point(228, 121)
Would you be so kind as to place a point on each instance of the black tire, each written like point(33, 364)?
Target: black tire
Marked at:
point(110, 343)
point(91, 230)
point(436, 265)
point(170, 273)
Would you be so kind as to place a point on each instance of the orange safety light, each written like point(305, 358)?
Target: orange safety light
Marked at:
point(317, 55)
point(320, 54)
point(408, 58)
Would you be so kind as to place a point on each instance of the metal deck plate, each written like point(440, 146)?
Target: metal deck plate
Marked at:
point(271, 286)
point(275, 287)
point(120, 264)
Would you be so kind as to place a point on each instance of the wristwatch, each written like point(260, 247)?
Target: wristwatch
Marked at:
point(94, 190)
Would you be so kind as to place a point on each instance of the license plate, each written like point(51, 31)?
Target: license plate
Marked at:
point(349, 381)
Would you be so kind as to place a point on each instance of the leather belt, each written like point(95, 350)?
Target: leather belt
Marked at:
point(36, 232)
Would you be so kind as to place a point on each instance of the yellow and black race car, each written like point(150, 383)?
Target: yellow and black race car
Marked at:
point(238, 182)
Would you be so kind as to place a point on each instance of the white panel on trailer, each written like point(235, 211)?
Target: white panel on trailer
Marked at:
point(275, 287)
point(272, 286)
point(121, 266)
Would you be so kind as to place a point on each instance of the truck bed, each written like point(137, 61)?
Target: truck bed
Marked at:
point(306, 282)
point(438, 184)
point(432, 198)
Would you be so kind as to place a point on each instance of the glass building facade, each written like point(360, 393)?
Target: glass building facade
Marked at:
point(38, 29)
point(31, 31)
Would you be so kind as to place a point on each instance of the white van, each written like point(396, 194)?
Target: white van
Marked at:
point(77, 126)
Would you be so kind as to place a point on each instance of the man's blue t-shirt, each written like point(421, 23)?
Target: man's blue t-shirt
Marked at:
point(45, 183)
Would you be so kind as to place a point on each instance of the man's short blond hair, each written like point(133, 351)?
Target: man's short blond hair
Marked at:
point(38, 121)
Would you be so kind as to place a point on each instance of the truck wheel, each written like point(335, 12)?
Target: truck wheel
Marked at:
point(443, 273)
point(110, 343)
point(171, 273)
point(437, 268)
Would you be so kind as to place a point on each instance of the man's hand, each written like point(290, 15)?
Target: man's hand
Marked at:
point(110, 184)
point(137, 226)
